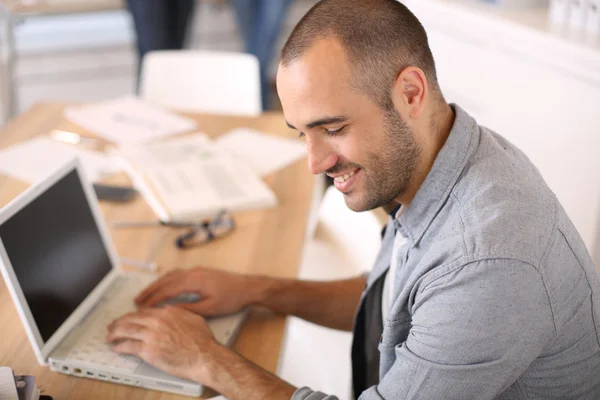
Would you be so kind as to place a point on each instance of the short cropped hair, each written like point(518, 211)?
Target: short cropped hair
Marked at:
point(381, 38)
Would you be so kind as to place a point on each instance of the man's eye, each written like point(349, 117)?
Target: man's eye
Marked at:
point(335, 132)
point(301, 135)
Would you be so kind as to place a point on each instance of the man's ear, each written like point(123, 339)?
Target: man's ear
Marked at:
point(410, 91)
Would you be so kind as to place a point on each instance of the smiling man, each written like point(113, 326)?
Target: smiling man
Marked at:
point(483, 288)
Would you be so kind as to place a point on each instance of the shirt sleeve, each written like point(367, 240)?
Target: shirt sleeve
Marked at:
point(474, 330)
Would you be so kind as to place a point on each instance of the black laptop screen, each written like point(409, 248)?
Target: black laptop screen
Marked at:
point(56, 250)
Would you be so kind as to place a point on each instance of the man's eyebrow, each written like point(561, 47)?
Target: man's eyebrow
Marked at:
point(326, 121)
point(321, 121)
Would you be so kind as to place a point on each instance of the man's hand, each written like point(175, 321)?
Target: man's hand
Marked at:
point(332, 304)
point(180, 343)
point(169, 338)
point(220, 292)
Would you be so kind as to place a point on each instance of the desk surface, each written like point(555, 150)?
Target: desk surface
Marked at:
point(266, 242)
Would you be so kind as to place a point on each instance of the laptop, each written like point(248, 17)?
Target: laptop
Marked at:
point(63, 274)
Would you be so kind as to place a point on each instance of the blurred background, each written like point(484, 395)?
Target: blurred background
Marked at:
point(529, 69)
point(85, 50)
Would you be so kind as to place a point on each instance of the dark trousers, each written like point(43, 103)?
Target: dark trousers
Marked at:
point(260, 24)
point(160, 24)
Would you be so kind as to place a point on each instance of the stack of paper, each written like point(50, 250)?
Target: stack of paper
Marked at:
point(189, 178)
point(33, 160)
point(129, 120)
point(264, 153)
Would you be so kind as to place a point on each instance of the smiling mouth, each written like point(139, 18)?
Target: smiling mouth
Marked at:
point(345, 177)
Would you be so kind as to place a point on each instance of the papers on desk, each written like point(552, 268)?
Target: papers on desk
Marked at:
point(264, 153)
point(129, 120)
point(189, 178)
point(34, 159)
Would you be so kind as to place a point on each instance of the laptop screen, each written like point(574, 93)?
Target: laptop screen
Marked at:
point(56, 251)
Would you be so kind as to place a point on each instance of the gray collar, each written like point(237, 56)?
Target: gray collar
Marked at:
point(447, 167)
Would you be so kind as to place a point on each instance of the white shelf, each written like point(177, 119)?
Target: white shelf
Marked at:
point(537, 20)
point(526, 31)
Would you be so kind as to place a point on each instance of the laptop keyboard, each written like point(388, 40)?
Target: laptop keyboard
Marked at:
point(92, 347)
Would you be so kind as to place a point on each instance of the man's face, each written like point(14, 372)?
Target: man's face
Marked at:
point(370, 152)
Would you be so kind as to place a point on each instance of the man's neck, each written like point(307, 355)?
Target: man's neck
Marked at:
point(441, 123)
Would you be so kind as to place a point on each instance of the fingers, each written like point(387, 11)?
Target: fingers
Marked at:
point(164, 280)
point(163, 294)
point(133, 347)
point(123, 331)
point(144, 317)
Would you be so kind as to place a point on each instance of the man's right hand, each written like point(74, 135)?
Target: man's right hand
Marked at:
point(220, 292)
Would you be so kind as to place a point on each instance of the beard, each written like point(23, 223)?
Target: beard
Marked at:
point(388, 172)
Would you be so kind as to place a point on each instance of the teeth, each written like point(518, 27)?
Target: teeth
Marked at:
point(344, 178)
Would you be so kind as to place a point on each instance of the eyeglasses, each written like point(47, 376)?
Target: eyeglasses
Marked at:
point(220, 226)
point(198, 232)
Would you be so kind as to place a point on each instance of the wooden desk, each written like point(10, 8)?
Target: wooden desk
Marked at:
point(266, 242)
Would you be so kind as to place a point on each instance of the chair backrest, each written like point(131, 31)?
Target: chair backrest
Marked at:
point(202, 81)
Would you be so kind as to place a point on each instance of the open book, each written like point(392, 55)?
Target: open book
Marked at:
point(188, 178)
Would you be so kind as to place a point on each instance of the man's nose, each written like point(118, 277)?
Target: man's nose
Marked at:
point(320, 156)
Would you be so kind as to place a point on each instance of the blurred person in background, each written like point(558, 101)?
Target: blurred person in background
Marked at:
point(160, 24)
point(260, 24)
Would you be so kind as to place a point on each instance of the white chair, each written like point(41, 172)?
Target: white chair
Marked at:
point(345, 245)
point(202, 81)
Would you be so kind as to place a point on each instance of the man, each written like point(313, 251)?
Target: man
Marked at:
point(482, 290)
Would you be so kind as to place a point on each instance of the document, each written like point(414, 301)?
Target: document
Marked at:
point(264, 153)
point(129, 120)
point(33, 160)
point(189, 178)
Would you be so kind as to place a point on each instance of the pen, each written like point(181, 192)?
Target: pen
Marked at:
point(145, 224)
point(136, 224)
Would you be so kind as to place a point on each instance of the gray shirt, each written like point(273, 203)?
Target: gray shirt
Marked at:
point(495, 295)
